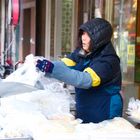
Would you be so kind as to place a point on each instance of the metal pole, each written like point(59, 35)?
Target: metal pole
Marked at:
point(120, 30)
point(2, 30)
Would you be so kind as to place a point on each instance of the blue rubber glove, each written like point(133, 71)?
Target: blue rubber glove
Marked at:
point(45, 66)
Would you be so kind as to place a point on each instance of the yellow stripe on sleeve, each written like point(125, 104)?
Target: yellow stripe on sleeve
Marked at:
point(68, 62)
point(95, 78)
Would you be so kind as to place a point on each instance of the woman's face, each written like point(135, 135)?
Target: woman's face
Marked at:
point(86, 41)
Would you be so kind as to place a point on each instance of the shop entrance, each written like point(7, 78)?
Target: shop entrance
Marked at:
point(28, 28)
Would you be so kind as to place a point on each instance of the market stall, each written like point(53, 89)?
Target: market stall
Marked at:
point(44, 112)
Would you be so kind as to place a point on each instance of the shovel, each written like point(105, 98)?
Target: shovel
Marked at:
point(13, 88)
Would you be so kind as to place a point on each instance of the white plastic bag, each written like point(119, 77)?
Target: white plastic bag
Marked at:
point(134, 109)
point(27, 73)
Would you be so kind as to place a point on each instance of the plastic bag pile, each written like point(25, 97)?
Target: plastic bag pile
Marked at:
point(133, 110)
point(35, 109)
point(45, 114)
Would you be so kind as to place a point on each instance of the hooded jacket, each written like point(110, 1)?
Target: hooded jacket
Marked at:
point(96, 76)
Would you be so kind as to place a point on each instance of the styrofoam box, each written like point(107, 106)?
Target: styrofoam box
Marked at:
point(94, 136)
point(115, 136)
point(65, 136)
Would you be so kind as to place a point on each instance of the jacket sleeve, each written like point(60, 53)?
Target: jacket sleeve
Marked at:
point(70, 76)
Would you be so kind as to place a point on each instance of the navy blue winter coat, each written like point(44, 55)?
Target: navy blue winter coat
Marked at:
point(96, 76)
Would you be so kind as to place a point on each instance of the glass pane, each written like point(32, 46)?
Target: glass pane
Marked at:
point(66, 26)
point(124, 35)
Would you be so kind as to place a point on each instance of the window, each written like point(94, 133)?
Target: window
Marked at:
point(124, 23)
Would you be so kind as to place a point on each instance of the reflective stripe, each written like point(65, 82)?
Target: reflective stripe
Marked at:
point(68, 62)
point(95, 78)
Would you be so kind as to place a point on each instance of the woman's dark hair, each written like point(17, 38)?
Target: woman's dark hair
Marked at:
point(79, 41)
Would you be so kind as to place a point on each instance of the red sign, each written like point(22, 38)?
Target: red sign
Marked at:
point(13, 12)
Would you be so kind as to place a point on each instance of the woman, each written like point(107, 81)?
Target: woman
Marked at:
point(94, 69)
